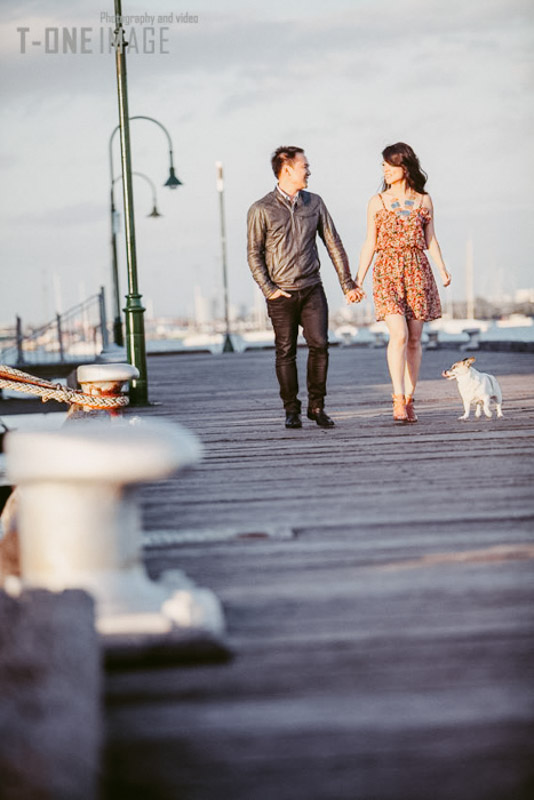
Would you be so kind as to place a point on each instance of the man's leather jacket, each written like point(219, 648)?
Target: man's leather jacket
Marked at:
point(282, 243)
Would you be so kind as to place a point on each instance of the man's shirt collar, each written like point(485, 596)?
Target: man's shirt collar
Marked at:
point(291, 200)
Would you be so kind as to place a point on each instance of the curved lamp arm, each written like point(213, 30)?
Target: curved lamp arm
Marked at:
point(172, 181)
point(155, 212)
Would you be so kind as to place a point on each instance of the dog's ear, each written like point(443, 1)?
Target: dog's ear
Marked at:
point(470, 360)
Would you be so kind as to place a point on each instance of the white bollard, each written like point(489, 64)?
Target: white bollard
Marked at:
point(379, 339)
point(97, 380)
point(79, 522)
point(474, 339)
point(433, 341)
point(105, 378)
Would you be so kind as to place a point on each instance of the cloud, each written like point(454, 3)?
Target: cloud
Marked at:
point(343, 79)
point(65, 216)
point(362, 40)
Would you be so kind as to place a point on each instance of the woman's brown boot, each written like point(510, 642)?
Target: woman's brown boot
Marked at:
point(410, 410)
point(399, 408)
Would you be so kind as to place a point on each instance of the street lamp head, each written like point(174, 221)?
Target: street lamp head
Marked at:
point(154, 212)
point(172, 181)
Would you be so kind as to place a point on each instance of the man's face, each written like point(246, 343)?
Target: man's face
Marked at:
point(299, 171)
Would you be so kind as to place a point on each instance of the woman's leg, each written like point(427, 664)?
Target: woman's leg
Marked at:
point(396, 352)
point(414, 352)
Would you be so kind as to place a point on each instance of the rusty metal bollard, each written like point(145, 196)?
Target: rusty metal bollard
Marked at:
point(79, 521)
point(101, 380)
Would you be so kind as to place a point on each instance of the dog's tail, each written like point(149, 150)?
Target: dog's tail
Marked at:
point(495, 389)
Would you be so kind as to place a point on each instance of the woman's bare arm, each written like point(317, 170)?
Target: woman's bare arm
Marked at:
point(369, 246)
point(432, 243)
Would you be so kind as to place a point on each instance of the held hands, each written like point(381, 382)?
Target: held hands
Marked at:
point(446, 278)
point(355, 295)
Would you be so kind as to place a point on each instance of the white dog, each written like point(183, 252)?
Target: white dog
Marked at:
point(475, 387)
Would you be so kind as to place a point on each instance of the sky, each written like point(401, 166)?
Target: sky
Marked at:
point(342, 79)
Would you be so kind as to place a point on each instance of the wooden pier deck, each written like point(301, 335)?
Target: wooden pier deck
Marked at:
point(378, 587)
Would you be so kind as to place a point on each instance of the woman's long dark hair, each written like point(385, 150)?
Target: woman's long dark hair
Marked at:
point(402, 155)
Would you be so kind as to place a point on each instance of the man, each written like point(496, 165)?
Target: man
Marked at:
point(283, 259)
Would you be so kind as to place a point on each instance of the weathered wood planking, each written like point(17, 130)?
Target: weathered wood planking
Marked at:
point(387, 649)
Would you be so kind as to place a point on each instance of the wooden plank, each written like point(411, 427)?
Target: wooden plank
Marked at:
point(386, 650)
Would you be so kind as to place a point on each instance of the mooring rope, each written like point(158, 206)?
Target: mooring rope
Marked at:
point(15, 380)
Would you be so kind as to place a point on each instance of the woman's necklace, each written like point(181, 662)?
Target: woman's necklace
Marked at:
point(402, 212)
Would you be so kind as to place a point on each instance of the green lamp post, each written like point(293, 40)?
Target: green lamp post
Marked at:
point(135, 329)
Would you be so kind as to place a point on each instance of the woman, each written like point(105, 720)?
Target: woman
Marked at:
point(400, 227)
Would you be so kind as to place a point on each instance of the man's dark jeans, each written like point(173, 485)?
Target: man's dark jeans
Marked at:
point(308, 308)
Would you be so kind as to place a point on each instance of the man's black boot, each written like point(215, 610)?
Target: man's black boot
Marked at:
point(293, 420)
point(322, 419)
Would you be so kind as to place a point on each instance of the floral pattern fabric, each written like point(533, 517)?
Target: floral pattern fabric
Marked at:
point(403, 282)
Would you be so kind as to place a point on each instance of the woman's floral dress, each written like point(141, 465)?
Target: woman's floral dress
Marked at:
point(403, 282)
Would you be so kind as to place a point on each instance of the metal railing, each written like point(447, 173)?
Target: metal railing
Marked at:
point(78, 334)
